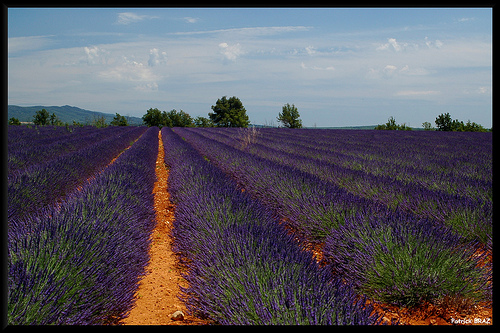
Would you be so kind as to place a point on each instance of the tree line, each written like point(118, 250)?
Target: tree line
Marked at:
point(443, 123)
point(43, 118)
point(227, 112)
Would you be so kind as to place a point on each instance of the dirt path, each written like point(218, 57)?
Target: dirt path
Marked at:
point(156, 297)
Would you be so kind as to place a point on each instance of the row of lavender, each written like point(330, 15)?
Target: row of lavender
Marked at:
point(243, 266)
point(79, 262)
point(29, 146)
point(414, 183)
point(457, 163)
point(431, 159)
point(44, 183)
point(391, 255)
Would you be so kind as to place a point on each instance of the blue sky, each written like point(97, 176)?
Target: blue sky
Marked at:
point(339, 66)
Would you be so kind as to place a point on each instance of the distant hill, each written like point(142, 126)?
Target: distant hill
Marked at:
point(66, 113)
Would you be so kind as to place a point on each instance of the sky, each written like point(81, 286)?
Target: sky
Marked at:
point(338, 66)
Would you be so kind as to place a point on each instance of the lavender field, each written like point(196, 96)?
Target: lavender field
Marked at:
point(392, 217)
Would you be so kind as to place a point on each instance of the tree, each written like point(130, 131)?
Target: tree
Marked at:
point(392, 125)
point(289, 116)
point(119, 120)
point(443, 122)
point(41, 117)
point(473, 127)
point(427, 126)
point(176, 118)
point(153, 117)
point(54, 121)
point(203, 122)
point(99, 121)
point(14, 121)
point(229, 113)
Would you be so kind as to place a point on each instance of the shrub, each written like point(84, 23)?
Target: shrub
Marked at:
point(401, 260)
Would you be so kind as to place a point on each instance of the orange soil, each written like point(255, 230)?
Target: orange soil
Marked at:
point(156, 297)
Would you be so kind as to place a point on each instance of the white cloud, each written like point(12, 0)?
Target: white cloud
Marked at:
point(437, 43)
point(16, 44)
point(129, 71)
point(254, 31)
point(394, 44)
point(231, 52)
point(483, 90)
point(127, 18)
point(156, 57)
point(328, 68)
point(95, 55)
point(465, 19)
point(310, 50)
point(391, 42)
point(417, 92)
point(390, 69)
point(147, 87)
point(191, 19)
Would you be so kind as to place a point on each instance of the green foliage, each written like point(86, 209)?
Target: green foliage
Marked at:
point(153, 117)
point(41, 117)
point(408, 262)
point(99, 122)
point(119, 121)
point(392, 125)
point(289, 116)
point(203, 122)
point(14, 121)
point(427, 126)
point(176, 118)
point(444, 123)
point(173, 118)
point(54, 121)
point(408, 274)
point(229, 113)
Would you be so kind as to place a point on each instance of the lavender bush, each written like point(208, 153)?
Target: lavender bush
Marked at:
point(404, 260)
point(253, 275)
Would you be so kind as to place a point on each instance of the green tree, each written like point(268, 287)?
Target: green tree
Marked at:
point(98, 121)
point(153, 117)
point(229, 113)
point(203, 122)
point(392, 125)
point(444, 122)
point(54, 121)
point(41, 117)
point(289, 116)
point(119, 120)
point(473, 127)
point(14, 121)
point(404, 127)
point(427, 126)
point(176, 118)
